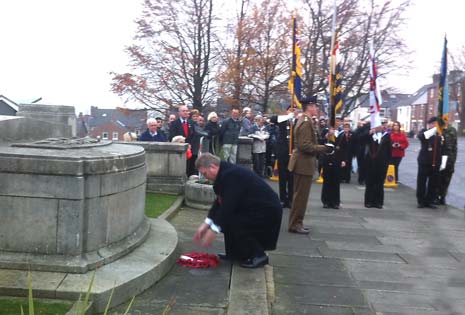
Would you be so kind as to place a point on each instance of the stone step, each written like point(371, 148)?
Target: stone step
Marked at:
point(129, 275)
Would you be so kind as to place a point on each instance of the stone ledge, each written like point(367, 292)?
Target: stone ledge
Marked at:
point(248, 292)
point(130, 275)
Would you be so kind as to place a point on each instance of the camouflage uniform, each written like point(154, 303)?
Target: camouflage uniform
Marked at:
point(450, 149)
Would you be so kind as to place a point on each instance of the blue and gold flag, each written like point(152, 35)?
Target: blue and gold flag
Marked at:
point(295, 82)
point(443, 95)
point(335, 83)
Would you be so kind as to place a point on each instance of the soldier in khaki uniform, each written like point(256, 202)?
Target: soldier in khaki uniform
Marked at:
point(303, 163)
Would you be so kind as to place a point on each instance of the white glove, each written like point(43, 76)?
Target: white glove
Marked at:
point(430, 132)
point(443, 163)
point(282, 118)
point(331, 146)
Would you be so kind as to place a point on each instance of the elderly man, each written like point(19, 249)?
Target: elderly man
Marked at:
point(152, 133)
point(248, 214)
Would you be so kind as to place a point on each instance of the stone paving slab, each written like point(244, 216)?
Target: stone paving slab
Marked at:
point(319, 295)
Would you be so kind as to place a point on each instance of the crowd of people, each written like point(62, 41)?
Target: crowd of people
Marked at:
point(302, 145)
point(362, 151)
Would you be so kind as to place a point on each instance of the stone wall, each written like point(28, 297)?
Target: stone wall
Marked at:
point(55, 114)
point(19, 129)
point(166, 166)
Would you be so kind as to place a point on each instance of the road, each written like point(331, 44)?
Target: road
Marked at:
point(409, 167)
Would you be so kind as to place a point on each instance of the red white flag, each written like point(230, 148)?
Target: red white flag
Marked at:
point(375, 94)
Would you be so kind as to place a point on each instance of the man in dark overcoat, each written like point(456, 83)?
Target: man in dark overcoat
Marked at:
point(429, 161)
point(246, 210)
point(377, 162)
point(285, 178)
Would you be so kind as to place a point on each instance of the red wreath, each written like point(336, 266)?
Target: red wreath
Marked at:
point(198, 260)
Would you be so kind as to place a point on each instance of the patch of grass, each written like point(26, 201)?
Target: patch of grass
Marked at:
point(13, 306)
point(156, 203)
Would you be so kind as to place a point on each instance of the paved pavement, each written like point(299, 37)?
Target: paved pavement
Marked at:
point(396, 260)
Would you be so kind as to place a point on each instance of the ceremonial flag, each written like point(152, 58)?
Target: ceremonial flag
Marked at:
point(443, 96)
point(375, 94)
point(295, 82)
point(335, 83)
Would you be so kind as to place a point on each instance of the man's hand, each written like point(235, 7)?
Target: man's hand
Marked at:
point(204, 235)
point(198, 236)
point(208, 238)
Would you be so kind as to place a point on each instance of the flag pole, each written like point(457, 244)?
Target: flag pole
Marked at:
point(293, 74)
point(332, 66)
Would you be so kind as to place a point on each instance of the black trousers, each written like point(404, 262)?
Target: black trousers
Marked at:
point(346, 171)
point(246, 238)
point(361, 166)
point(445, 177)
point(259, 163)
point(374, 184)
point(427, 183)
point(330, 192)
point(286, 182)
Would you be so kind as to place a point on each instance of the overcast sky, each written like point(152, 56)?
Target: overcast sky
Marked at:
point(63, 50)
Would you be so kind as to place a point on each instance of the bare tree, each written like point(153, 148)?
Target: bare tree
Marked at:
point(173, 56)
point(358, 23)
point(235, 60)
point(458, 92)
point(270, 42)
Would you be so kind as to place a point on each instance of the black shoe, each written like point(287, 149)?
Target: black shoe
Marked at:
point(431, 206)
point(336, 207)
point(368, 205)
point(420, 206)
point(379, 206)
point(325, 205)
point(286, 205)
point(255, 262)
point(300, 230)
point(223, 256)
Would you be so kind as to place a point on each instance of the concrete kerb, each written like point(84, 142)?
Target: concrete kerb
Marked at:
point(249, 292)
point(171, 211)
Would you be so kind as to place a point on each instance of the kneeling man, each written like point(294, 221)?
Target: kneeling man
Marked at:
point(246, 210)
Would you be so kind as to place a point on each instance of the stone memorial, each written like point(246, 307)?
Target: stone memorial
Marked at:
point(70, 204)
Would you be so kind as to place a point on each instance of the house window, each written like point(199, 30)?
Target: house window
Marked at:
point(430, 109)
point(104, 135)
point(115, 136)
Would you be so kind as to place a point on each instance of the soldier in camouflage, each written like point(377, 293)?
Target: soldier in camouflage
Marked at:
point(449, 149)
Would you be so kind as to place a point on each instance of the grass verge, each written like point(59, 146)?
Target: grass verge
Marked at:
point(157, 203)
point(9, 306)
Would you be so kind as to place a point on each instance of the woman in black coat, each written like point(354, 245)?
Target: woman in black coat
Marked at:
point(213, 129)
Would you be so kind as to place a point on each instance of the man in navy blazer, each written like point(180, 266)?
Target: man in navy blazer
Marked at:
point(152, 133)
